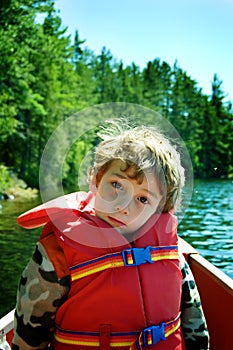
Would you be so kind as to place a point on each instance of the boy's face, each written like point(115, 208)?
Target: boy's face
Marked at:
point(122, 201)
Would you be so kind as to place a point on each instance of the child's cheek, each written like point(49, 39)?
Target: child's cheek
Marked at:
point(105, 198)
point(110, 193)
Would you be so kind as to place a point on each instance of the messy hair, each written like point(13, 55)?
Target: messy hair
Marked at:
point(141, 148)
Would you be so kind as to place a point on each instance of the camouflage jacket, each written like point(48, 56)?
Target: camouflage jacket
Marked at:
point(42, 290)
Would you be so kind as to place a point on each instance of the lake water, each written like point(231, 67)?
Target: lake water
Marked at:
point(207, 225)
point(208, 222)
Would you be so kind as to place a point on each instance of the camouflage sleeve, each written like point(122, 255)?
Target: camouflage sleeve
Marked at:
point(40, 293)
point(192, 317)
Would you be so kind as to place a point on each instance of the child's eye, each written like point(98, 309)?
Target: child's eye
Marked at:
point(117, 185)
point(143, 200)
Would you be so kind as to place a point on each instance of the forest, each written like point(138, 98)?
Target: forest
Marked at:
point(45, 78)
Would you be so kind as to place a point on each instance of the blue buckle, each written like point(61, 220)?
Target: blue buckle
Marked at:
point(139, 255)
point(152, 335)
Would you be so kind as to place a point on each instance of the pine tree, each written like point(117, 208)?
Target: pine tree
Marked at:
point(104, 75)
point(152, 85)
point(221, 131)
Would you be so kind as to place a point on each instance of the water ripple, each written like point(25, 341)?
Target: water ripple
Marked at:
point(208, 223)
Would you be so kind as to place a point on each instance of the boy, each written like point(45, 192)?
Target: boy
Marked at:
point(106, 272)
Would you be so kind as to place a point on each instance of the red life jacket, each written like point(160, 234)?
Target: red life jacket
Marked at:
point(123, 295)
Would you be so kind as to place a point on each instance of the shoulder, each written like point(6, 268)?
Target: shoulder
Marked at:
point(50, 250)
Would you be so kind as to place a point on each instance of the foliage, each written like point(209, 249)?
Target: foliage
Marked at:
point(6, 180)
point(44, 79)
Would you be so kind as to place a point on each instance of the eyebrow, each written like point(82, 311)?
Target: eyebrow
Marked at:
point(153, 194)
point(121, 176)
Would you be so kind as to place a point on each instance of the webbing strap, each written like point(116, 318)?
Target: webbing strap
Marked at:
point(105, 334)
point(153, 334)
point(134, 340)
point(127, 257)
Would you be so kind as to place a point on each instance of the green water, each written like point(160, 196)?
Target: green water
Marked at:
point(16, 246)
point(208, 222)
point(207, 225)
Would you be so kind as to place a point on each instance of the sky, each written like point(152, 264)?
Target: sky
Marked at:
point(198, 34)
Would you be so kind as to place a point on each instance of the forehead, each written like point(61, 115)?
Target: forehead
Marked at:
point(125, 167)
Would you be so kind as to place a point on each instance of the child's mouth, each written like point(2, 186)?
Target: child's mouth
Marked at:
point(116, 222)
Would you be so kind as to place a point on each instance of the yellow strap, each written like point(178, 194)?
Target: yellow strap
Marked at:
point(128, 257)
point(119, 339)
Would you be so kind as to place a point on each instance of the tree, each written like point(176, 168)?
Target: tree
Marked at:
point(152, 86)
point(38, 82)
point(104, 75)
point(78, 51)
point(136, 84)
point(221, 131)
point(83, 59)
point(18, 32)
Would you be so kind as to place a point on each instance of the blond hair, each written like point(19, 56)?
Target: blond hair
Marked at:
point(144, 148)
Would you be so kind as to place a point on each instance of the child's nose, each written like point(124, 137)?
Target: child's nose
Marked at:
point(122, 209)
point(124, 202)
point(123, 206)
